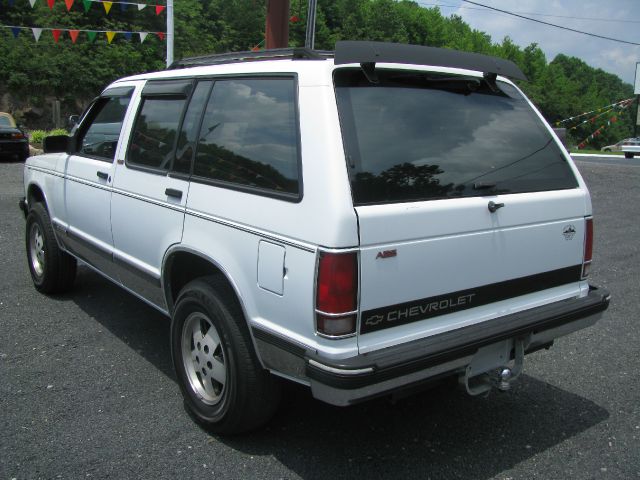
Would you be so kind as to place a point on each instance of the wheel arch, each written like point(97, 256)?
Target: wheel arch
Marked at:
point(183, 264)
point(35, 193)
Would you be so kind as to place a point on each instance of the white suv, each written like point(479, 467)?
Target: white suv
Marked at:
point(358, 222)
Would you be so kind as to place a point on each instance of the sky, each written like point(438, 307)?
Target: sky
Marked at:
point(618, 19)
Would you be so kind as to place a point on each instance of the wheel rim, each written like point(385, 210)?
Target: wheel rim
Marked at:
point(203, 358)
point(36, 249)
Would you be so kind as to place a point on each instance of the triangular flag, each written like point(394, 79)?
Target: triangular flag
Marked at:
point(160, 35)
point(74, 35)
point(123, 6)
point(91, 35)
point(36, 33)
point(32, 2)
point(50, 3)
point(15, 31)
point(11, 2)
point(143, 35)
point(127, 36)
point(141, 6)
point(159, 9)
point(107, 6)
point(69, 4)
point(110, 36)
point(87, 5)
point(56, 34)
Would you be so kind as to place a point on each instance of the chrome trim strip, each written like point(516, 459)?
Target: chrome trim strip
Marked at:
point(337, 315)
point(45, 170)
point(88, 183)
point(261, 233)
point(340, 371)
point(170, 206)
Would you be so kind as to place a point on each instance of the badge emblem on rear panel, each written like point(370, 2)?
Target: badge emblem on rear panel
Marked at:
point(386, 254)
point(568, 232)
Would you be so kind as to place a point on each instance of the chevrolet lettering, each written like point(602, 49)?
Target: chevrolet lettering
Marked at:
point(325, 218)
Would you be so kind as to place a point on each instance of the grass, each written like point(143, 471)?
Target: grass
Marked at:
point(37, 136)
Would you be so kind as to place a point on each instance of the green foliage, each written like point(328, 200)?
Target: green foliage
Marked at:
point(35, 73)
point(37, 136)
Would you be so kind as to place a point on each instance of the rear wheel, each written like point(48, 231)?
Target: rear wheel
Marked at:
point(223, 384)
point(628, 155)
point(52, 269)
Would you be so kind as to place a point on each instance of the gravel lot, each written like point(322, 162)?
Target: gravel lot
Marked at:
point(87, 388)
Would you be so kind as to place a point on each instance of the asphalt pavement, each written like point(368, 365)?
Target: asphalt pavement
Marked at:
point(87, 388)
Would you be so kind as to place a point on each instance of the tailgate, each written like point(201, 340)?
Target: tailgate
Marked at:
point(434, 266)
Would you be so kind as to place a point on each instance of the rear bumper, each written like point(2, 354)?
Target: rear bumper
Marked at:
point(368, 375)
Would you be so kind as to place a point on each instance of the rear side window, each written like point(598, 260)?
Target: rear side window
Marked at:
point(248, 137)
point(155, 132)
point(420, 136)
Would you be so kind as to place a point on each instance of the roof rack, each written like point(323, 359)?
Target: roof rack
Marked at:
point(237, 57)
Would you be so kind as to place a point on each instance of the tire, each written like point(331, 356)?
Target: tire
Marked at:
point(628, 155)
point(52, 269)
point(225, 388)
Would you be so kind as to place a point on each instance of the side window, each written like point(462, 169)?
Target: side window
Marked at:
point(99, 138)
point(155, 132)
point(249, 135)
point(188, 139)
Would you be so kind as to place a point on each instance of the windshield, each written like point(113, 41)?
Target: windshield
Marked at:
point(5, 121)
point(420, 136)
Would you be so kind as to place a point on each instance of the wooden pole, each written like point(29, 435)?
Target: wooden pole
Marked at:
point(277, 28)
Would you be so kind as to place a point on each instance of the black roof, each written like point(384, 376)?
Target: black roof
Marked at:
point(370, 53)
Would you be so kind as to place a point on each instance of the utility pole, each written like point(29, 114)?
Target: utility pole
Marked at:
point(277, 27)
point(169, 32)
point(311, 25)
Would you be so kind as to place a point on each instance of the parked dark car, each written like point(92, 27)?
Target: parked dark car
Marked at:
point(14, 143)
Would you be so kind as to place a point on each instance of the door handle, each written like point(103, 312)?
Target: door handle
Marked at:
point(103, 175)
point(494, 206)
point(172, 192)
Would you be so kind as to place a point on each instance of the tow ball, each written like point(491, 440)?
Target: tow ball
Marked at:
point(478, 380)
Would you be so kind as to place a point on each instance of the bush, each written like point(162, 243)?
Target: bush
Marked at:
point(37, 136)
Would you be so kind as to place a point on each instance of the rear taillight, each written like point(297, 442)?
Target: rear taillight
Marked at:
point(588, 247)
point(337, 294)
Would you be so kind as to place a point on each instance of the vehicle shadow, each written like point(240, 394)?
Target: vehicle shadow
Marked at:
point(138, 325)
point(437, 433)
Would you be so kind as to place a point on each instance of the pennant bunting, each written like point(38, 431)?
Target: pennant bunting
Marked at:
point(15, 31)
point(50, 3)
point(127, 36)
point(123, 6)
point(56, 34)
point(32, 3)
point(74, 35)
point(160, 35)
point(110, 36)
point(36, 33)
point(107, 6)
point(87, 5)
point(141, 6)
point(159, 9)
point(11, 2)
point(69, 4)
point(91, 35)
point(143, 35)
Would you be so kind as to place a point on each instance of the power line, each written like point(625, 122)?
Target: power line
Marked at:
point(551, 24)
point(591, 19)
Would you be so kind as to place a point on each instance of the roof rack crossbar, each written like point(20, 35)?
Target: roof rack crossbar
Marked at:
point(237, 57)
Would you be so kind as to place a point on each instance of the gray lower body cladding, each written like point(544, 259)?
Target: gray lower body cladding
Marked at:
point(357, 378)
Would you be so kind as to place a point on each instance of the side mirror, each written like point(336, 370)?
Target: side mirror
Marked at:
point(73, 120)
point(56, 143)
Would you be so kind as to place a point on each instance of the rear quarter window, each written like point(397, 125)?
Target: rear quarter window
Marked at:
point(420, 136)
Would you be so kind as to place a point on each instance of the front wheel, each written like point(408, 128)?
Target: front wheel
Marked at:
point(223, 384)
point(52, 269)
point(628, 155)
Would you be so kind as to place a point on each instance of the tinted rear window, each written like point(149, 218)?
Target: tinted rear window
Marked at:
point(420, 136)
